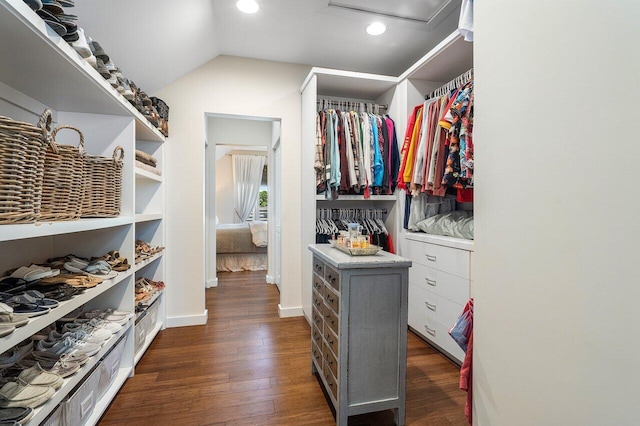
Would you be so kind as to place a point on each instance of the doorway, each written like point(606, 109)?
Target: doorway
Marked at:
point(224, 134)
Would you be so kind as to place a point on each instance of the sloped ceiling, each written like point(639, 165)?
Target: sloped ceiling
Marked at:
point(157, 41)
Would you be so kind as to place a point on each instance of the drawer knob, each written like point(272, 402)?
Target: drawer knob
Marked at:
point(431, 257)
point(330, 299)
point(430, 306)
point(431, 331)
point(432, 283)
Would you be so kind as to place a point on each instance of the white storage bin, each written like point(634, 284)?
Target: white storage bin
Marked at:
point(152, 315)
point(109, 367)
point(139, 334)
point(56, 418)
point(81, 402)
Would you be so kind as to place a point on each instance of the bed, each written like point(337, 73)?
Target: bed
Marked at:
point(241, 247)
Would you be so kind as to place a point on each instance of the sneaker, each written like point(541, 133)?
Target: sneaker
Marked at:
point(98, 323)
point(119, 317)
point(15, 354)
point(48, 357)
point(37, 376)
point(98, 335)
point(54, 336)
point(68, 345)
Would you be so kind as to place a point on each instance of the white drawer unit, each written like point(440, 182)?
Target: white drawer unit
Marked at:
point(439, 287)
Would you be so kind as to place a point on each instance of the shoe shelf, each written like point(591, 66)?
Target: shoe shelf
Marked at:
point(143, 174)
point(43, 229)
point(148, 261)
point(148, 217)
point(71, 84)
point(38, 323)
point(71, 382)
point(148, 303)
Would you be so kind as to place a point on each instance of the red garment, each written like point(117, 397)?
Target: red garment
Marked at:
point(390, 244)
point(466, 378)
point(405, 146)
point(465, 195)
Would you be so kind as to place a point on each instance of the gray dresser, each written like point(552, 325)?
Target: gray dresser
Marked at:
point(359, 330)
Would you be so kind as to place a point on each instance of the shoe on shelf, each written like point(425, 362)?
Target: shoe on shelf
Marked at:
point(37, 376)
point(44, 357)
point(99, 323)
point(16, 414)
point(14, 394)
point(119, 317)
point(98, 338)
point(68, 346)
point(15, 354)
point(8, 317)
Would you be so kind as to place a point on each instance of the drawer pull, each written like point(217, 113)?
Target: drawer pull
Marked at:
point(432, 283)
point(431, 331)
point(329, 362)
point(331, 279)
point(318, 268)
point(431, 257)
point(330, 299)
point(430, 306)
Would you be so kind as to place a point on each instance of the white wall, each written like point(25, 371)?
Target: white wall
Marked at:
point(226, 85)
point(224, 189)
point(557, 281)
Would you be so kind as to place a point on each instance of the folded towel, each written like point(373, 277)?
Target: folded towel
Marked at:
point(148, 168)
point(141, 155)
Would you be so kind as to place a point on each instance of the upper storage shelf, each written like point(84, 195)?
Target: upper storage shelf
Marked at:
point(451, 57)
point(40, 64)
point(349, 84)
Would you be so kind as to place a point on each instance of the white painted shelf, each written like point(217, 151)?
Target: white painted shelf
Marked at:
point(38, 323)
point(43, 229)
point(148, 303)
point(103, 403)
point(358, 198)
point(145, 262)
point(147, 217)
point(144, 174)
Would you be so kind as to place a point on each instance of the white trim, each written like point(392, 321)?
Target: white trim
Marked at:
point(271, 279)
point(187, 320)
point(211, 283)
point(289, 312)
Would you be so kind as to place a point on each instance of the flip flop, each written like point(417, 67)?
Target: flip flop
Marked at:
point(81, 46)
point(52, 6)
point(35, 5)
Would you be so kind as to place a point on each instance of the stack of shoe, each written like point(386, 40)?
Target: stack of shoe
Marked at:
point(52, 12)
point(145, 289)
point(145, 251)
point(163, 111)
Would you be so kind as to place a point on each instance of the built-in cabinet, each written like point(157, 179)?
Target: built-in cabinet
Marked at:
point(40, 70)
point(432, 308)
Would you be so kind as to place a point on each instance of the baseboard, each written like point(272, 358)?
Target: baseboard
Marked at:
point(212, 283)
point(188, 320)
point(289, 312)
point(271, 279)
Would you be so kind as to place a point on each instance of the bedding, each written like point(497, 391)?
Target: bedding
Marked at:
point(458, 224)
point(237, 247)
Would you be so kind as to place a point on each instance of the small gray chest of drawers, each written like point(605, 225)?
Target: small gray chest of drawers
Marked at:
point(359, 330)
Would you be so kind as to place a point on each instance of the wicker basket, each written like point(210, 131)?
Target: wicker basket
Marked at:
point(103, 185)
point(63, 182)
point(22, 148)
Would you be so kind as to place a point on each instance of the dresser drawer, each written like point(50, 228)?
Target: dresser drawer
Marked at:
point(332, 277)
point(331, 361)
point(316, 336)
point(316, 354)
point(318, 284)
point(317, 299)
point(442, 283)
point(434, 306)
point(446, 259)
point(332, 299)
point(316, 317)
point(331, 341)
point(318, 266)
point(332, 383)
point(331, 319)
point(435, 332)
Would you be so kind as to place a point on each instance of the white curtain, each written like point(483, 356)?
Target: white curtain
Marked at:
point(247, 176)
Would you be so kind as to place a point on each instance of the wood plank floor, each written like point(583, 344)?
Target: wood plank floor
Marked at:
point(249, 367)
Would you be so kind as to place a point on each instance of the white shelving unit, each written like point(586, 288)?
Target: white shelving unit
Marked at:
point(323, 83)
point(40, 70)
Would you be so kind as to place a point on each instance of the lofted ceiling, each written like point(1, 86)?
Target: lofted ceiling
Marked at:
point(157, 41)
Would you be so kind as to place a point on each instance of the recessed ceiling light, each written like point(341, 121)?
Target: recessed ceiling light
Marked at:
point(376, 28)
point(247, 6)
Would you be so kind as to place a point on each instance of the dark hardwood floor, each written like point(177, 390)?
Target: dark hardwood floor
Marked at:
point(249, 367)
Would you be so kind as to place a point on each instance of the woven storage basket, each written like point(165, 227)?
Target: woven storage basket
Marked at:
point(22, 148)
point(103, 185)
point(63, 181)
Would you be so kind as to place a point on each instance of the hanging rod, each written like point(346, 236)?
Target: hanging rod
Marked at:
point(460, 80)
point(351, 105)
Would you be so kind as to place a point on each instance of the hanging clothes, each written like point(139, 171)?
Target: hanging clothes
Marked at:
point(356, 153)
